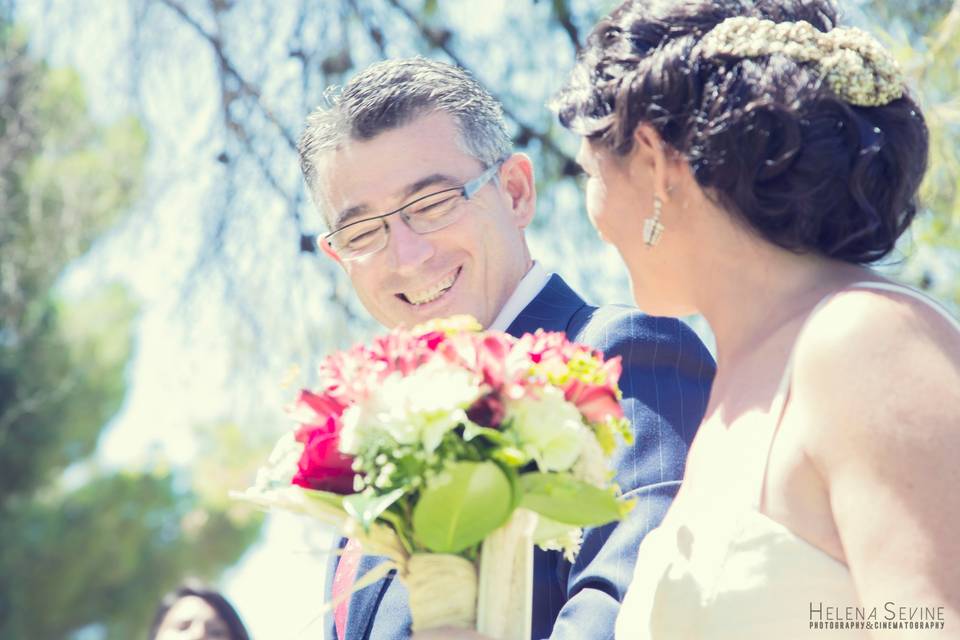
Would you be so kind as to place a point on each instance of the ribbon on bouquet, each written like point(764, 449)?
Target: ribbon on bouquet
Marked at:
point(442, 588)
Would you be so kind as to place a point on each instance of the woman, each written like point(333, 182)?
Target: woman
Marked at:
point(192, 612)
point(748, 159)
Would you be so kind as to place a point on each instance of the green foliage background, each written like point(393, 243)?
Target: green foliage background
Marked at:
point(94, 546)
point(81, 545)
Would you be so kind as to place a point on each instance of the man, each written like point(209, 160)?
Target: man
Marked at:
point(412, 167)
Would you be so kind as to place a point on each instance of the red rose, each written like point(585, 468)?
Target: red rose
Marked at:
point(321, 465)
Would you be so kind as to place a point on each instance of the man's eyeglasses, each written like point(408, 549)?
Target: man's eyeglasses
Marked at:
point(428, 213)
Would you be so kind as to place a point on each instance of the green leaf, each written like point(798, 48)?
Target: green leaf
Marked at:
point(461, 506)
point(549, 530)
point(325, 497)
point(516, 492)
point(365, 508)
point(471, 430)
point(511, 456)
point(565, 499)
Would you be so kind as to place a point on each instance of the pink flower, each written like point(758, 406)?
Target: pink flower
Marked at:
point(595, 402)
point(492, 352)
point(322, 405)
point(347, 376)
point(433, 339)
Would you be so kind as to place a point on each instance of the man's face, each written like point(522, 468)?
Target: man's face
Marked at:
point(470, 267)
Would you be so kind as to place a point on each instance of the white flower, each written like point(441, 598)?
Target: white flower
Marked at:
point(282, 463)
point(350, 432)
point(549, 428)
point(591, 467)
point(551, 535)
point(418, 408)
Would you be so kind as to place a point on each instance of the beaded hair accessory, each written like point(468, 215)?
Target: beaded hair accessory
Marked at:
point(855, 66)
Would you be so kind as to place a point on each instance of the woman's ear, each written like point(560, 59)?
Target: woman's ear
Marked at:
point(654, 158)
point(516, 180)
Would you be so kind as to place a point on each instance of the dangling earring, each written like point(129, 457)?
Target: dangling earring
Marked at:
point(652, 228)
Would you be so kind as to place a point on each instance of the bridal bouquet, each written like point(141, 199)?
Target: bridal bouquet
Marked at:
point(451, 451)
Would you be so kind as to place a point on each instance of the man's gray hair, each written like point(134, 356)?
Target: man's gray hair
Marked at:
point(393, 93)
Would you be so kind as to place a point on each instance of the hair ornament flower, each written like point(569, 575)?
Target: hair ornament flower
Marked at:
point(855, 66)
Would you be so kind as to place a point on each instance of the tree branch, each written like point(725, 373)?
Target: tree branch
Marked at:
point(440, 39)
point(372, 30)
point(227, 66)
point(561, 9)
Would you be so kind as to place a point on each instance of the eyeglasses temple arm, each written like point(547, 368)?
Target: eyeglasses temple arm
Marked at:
point(474, 185)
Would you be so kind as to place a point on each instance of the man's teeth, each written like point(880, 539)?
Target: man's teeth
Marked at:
point(434, 292)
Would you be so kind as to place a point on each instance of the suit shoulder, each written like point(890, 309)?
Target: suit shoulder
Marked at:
point(619, 329)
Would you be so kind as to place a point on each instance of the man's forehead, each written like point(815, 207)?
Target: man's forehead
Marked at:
point(363, 176)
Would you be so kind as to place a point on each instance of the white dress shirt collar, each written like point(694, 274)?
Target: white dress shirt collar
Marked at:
point(529, 288)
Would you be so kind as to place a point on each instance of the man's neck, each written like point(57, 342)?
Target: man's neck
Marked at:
point(527, 289)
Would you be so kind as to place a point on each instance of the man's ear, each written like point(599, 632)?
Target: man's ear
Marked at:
point(516, 180)
point(653, 157)
point(327, 249)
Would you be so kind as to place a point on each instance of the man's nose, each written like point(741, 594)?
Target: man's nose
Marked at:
point(408, 249)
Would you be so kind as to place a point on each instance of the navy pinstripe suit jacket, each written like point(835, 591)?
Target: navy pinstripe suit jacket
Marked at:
point(666, 380)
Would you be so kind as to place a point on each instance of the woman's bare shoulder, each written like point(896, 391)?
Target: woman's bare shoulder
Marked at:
point(878, 363)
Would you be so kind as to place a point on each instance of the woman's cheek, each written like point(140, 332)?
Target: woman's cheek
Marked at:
point(596, 198)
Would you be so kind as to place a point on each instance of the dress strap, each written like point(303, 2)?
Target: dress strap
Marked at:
point(911, 292)
point(783, 390)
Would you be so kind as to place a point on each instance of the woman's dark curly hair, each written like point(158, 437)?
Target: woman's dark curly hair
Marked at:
point(765, 137)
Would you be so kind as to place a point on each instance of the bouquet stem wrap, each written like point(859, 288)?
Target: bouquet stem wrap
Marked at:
point(443, 591)
point(505, 600)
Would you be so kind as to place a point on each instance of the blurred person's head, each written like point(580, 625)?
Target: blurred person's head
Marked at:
point(737, 120)
point(194, 612)
point(425, 137)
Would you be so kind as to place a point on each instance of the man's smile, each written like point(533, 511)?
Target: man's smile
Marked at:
point(432, 292)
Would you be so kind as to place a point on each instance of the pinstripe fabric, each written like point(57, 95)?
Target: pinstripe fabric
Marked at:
point(666, 378)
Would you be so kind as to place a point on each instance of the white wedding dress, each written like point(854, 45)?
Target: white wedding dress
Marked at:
point(739, 575)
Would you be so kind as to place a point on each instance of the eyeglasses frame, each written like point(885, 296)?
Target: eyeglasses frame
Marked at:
point(467, 190)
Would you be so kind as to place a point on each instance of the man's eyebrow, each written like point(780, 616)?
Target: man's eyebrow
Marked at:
point(349, 214)
point(429, 181)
